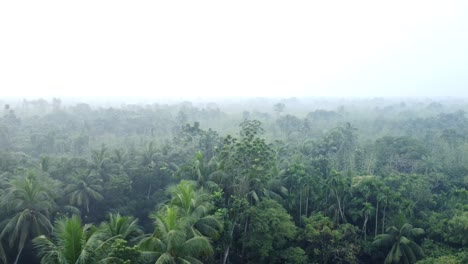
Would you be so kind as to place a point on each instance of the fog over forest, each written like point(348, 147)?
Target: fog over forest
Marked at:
point(234, 180)
point(229, 132)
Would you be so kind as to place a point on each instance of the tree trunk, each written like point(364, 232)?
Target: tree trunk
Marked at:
point(364, 227)
point(226, 251)
point(307, 203)
point(226, 254)
point(376, 218)
point(340, 210)
point(300, 205)
point(383, 219)
point(245, 235)
point(149, 191)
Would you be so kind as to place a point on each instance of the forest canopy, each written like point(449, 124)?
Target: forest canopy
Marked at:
point(297, 180)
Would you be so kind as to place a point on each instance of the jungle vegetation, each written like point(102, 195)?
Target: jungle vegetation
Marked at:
point(256, 181)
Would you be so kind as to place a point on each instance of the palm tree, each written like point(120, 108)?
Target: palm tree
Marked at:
point(371, 189)
point(121, 159)
point(400, 242)
point(100, 164)
point(172, 243)
point(366, 211)
point(205, 173)
point(194, 206)
point(73, 243)
point(85, 190)
point(30, 205)
point(338, 190)
point(148, 155)
point(125, 227)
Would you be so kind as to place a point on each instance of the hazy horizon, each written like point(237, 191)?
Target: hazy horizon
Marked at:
point(212, 49)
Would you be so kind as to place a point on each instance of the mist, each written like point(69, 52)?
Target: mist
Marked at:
point(243, 49)
point(233, 132)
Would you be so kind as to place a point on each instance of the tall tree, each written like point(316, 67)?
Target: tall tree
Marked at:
point(338, 188)
point(194, 206)
point(124, 227)
point(247, 162)
point(101, 165)
point(171, 242)
point(74, 243)
point(84, 190)
point(30, 205)
point(270, 229)
point(400, 244)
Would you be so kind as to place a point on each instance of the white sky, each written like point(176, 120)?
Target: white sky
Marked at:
point(233, 48)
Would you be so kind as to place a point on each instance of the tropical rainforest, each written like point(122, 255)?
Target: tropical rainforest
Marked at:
point(295, 180)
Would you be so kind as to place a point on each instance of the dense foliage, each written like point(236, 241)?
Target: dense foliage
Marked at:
point(300, 181)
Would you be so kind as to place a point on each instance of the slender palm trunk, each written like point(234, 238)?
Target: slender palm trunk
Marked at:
point(307, 202)
point(364, 227)
point(340, 210)
point(226, 254)
point(383, 218)
point(343, 209)
point(376, 218)
point(149, 191)
point(226, 251)
point(245, 235)
point(300, 205)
